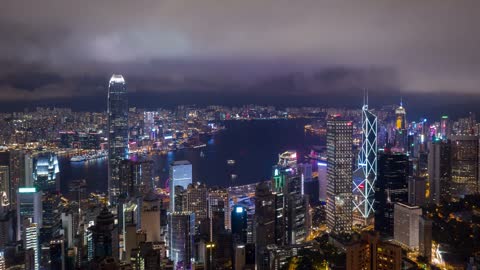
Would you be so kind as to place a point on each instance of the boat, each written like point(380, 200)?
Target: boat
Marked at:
point(200, 145)
point(230, 162)
point(88, 156)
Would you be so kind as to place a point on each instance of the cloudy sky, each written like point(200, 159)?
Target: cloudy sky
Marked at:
point(57, 49)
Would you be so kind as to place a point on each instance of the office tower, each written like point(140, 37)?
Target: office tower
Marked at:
point(279, 177)
point(181, 230)
point(136, 177)
point(17, 173)
point(196, 201)
point(445, 127)
point(117, 133)
point(133, 238)
point(391, 187)
point(339, 175)
point(146, 257)
point(439, 171)
point(406, 223)
point(29, 206)
point(417, 189)
point(5, 190)
point(51, 217)
point(367, 162)
point(218, 201)
point(371, 253)
point(7, 230)
point(150, 217)
point(401, 129)
point(103, 234)
point(31, 244)
point(57, 255)
point(296, 211)
point(239, 224)
point(180, 175)
point(425, 238)
point(46, 172)
point(465, 150)
point(264, 222)
point(322, 181)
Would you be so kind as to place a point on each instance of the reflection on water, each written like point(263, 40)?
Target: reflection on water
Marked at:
point(254, 145)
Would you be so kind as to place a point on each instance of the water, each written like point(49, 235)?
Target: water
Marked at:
point(254, 145)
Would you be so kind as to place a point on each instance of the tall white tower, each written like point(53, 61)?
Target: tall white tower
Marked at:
point(367, 163)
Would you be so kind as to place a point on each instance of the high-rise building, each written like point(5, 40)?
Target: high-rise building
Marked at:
point(339, 175)
point(150, 217)
point(29, 206)
point(391, 187)
point(239, 224)
point(367, 162)
point(181, 229)
point(445, 127)
point(180, 175)
point(401, 129)
point(425, 238)
point(46, 172)
point(136, 177)
point(103, 234)
point(17, 173)
point(439, 171)
point(57, 255)
point(265, 217)
point(2, 261)
point(465, 161)
point(322, 181)
point(5, 190)
point(406, 225)
point(372, 253)
point(196, 201)
point(117, 133)
point(31, 243)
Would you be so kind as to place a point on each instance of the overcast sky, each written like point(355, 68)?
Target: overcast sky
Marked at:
point(60, 48)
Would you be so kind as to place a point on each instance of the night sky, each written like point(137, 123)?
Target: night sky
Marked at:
point(227, 52)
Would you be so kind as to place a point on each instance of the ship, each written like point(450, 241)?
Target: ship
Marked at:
point(88, 156)
point(230, 162)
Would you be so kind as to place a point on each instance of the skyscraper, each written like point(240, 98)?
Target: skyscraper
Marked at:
point(180, 175)
point(407, 221)
point(29, 206)
point(439, 171)
point(239, 224)
point(31, 243)
point(103, 234)
point(367, 162)
point(5, 190)
point(181, 230)
point(391, 187)
point(46, 172)
point(401, 128)
point(465, 161)
point(339, 175)
point(117, 133)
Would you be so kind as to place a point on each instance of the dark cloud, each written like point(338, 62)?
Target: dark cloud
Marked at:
point(50, 48)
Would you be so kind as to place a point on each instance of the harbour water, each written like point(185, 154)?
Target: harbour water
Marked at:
point(252, 145)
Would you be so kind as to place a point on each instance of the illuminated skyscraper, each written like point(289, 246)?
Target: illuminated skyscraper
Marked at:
point(339, 175)
point(46, 172)
point(401, 128)
point(5, 196)
point(465, 160)
point(367, 162)
point(117, 132)
point(31, 244)
point(29, 206)
point(180, 175)
point(181, 229)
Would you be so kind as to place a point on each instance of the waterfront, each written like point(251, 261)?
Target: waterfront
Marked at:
point(253, 145)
